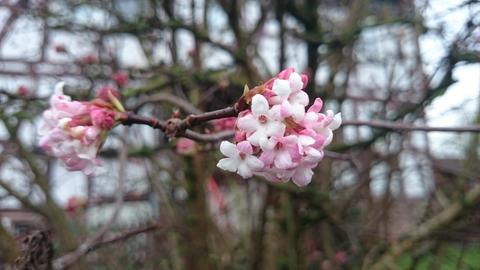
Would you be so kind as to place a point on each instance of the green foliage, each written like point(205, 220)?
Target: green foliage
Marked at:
point(447, 257)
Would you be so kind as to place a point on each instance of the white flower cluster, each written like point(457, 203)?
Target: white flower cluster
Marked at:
point(277, 137)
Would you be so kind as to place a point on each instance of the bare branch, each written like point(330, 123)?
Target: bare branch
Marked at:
point(407, 127)
point(175, 127)
point(165, 97)
point(429, 227)
point(83, 249)
point(59, 263)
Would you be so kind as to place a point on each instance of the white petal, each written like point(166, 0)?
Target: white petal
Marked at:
point(228, 164)
point(275, 112)
point(271, 177)
point(311, 117)
point(267, 144)
point(300, 98)
point(281, 88)
point(283, 160)
point(302, 176)
point(254, 163)
point(313, 155)
point(337, 121)
point(284, 175)
point(259, 105)
point(92, 133)
point(327, 134)
point(257, 136)
point(89, 169)
point(295, 81)
point(306, 140)
point(275, 128)
point(298, 112)
point(290, 140)
point(228, 149)
point(244, 171)
point(87, 152)
point(77, 131)
point(48, 116)
point(62, 123)
point(247, 123)
point(59, 88)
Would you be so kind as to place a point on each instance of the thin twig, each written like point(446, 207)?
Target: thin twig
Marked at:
point(182, 104)
point(123, 236)
point(70, 258)
point(114, 239)
point(429, 227)
point(408, 127)
point(210, 137)
point(175, 127)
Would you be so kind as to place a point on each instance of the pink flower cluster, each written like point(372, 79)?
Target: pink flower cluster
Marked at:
point(279, 138)
point(74, 131)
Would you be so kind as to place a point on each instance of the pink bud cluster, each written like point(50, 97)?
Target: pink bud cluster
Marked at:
point(186, 147)
point(279, 138)
point(74, 131)
point(120, 78)
point(223, 124)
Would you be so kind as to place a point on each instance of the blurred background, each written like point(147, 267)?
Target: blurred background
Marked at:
point(391, 193)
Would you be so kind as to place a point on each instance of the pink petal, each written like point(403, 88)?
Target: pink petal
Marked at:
point(316, 106)
point(245, 147)
point(102, 118)
point(294, 152)
point(319, 141)
point(328, 118)
point(240, 136)
point(286, 109)
point(304, 80)
point(267, 158)
point(285, 74)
